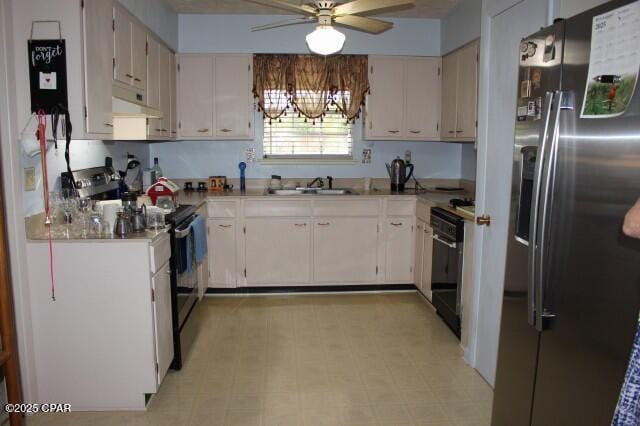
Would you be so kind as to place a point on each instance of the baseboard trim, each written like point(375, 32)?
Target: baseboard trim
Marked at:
point(369, 288)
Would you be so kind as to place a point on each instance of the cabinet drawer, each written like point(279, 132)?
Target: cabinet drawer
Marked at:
point(277, 208)
point(221, 209)
point(159, 253)
point(423, 211)
point(401, 207)
point(346, 208)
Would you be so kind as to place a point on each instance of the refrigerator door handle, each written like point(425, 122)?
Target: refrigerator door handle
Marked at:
point(535, 201)
point(548, 177)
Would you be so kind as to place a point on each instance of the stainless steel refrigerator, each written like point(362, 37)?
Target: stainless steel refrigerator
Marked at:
point(572, 281)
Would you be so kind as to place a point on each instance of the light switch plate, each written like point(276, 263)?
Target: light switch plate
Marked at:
point(407, 156)
point(366, 156)
point(29, 178)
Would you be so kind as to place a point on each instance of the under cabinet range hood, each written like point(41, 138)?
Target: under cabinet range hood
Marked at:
point(130, 120)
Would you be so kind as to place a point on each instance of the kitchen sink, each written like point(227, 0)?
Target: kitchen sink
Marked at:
point(311, 191)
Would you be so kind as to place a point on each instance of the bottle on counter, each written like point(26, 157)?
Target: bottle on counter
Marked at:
point(156, 171)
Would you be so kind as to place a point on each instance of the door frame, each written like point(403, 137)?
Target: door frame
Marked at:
point(486, 285)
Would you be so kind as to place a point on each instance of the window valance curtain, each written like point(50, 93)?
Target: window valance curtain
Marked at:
point(310, 85)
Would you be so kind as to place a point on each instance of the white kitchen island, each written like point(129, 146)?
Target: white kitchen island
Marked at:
point(106, 342)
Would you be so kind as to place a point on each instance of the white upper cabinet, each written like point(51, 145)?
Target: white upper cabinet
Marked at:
point(153, 73)
point(139, 56)
point(233, 98)
point(164, 59)
point(173, 121)
point(422, 98)
point(214, 96)
point(460, 93)
point(122, 52)
point(404, 103)
point(195, 96)
point(385, 104)
point(98, 48)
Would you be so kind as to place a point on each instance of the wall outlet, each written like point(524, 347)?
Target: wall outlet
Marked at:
point(29, 178)
point(407, 156)
point(366, 156)
point(250, 155)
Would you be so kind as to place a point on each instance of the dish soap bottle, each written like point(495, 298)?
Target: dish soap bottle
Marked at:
point(156, 171)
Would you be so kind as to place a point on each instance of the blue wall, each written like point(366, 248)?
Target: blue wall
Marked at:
point(231, 34)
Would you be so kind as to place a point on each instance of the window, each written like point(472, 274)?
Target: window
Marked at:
point(293, 137)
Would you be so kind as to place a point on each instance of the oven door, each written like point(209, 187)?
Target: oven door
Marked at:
point(186, 276)
point(444, 272)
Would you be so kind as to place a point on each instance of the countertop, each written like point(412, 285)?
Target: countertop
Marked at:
point(432, 196)
point(149, 236)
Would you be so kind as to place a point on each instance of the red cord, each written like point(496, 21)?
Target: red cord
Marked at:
point(42, 129)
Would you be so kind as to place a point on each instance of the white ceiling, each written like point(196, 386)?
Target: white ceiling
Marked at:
point(423, 8)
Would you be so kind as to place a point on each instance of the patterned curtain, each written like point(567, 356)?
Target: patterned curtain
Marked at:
point(310, 85)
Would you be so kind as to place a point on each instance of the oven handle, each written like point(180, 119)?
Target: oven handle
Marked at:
point(185, 230)
point(436, 238)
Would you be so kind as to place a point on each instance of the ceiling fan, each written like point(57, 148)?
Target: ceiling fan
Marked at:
point(326, 40)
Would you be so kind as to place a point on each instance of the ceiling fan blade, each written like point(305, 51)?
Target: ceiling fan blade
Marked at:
point(284, 5)
point(369, 25)
point(370, 6)
point(294, 21)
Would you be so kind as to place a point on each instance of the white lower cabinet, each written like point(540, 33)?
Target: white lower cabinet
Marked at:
point(161, 297)
point(345, 249)
point(424, 254)
point(399, 250)
point(277, 251)
point(222, 247)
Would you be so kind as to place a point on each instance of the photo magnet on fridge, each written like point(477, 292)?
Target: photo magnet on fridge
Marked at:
point(47, 74)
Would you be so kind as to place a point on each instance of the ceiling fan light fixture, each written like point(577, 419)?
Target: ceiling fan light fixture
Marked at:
point(325, 40)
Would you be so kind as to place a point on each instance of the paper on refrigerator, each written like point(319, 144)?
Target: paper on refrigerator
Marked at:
point(614, 62)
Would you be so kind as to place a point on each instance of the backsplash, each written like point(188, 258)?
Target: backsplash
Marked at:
point(84, 154)
point(188, 159)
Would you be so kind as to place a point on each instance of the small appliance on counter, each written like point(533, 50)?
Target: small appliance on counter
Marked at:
point(133, 175)
point(202, 186)
point(188, 187)
point(276, 182)
point(398, 174)
point(163, 187)
point(217, 183)
point(97, 183)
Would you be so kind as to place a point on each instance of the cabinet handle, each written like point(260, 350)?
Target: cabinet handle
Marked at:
point(451, 132)
point(324, 223)
point(415, 132)
point(108, 124)
point(129, 75)
point(224, 226)
point(158, 130)
point(203, 130)
point(419, 227)
point(393, 131)
point(136, 79)
point(459, 131)
point(164, 130)
point(396, 224)
point(226, 130)
point(300, 224)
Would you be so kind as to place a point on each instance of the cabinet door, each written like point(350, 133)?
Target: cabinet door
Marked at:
point(153, 74)
point(98, 57)
point(449, 87)
point(195, 101)
point(427, 261)
point(122, 46)
point(233, 97)
point(422, 98)
point(419, 250)
point(164, 57)
point(467, 93)
point(221, 245)
point(345, 250)
point(161, 295)
point(278, 251)
point(385, 104)
point(173, 120)
point(399, 248)
point(139, 56)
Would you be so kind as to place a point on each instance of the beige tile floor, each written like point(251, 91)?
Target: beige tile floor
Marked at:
point(347, 359)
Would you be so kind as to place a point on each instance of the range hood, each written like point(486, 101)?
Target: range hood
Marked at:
point(130, 116)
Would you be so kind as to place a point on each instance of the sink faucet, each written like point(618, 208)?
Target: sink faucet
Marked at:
point(317, 180)
point(330, 179)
